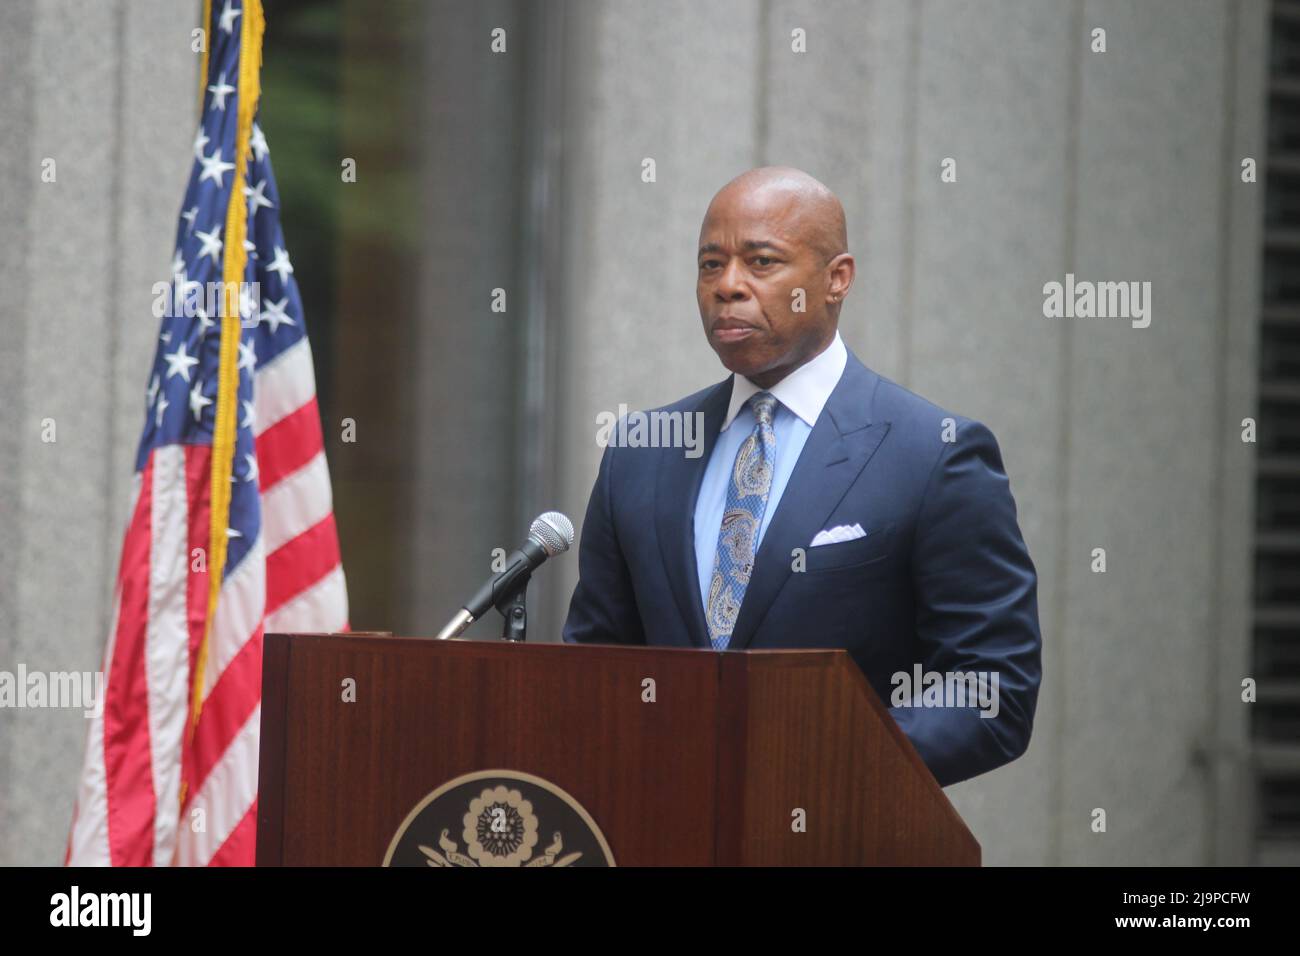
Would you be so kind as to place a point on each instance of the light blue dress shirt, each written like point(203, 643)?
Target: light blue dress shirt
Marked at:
point(800, 397)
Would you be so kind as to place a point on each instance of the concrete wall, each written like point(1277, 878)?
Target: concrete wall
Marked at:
point(1120, 165)
point(109, 92)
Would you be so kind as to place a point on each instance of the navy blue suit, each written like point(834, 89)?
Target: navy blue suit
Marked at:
point(941, 579)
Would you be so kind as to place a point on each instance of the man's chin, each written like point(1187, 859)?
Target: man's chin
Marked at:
point(741, 364)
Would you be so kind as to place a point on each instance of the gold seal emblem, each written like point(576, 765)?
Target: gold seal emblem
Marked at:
point(497, 815)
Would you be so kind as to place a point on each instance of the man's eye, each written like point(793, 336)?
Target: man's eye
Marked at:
point(708, 264)
point(764, 261)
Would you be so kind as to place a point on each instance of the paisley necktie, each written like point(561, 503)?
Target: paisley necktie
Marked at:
point(733, 561)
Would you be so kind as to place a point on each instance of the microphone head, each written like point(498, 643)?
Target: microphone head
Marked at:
point(553, 531)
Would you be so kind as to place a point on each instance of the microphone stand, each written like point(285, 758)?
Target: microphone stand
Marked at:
point(514, 627)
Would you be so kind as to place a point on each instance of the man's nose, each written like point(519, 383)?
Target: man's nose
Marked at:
point(731, 285)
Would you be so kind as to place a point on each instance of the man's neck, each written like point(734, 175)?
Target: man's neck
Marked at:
point(771, 377)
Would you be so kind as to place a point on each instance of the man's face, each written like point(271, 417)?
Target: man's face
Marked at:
point(754, 254)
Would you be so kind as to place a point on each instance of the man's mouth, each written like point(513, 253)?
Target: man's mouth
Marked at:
point(728, 330)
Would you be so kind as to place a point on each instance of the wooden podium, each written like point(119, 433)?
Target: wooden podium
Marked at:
point(678, 756)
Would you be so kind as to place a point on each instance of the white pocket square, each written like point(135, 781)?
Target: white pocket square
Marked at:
point(844, 532)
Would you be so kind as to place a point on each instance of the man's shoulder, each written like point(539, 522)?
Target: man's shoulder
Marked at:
point(918, 426)
point(897, 403)
point(888, 401)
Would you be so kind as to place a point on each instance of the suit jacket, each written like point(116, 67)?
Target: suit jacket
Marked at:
point(942, 579)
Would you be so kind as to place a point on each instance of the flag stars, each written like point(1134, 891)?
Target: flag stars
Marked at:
point(274, 315)
point(250, 416)
point(159, 409)
point(280, 264)
point(211, 243)
point(257, 198)
point(247, 357)
point(178, 266)
point(205, 323)
point(228, 14)
point(200, 140)
point(198, 401)
point(152, 391)
point(214, 168)
point(220, 90)
point(257, 143)
point(252, 468)
point(189, 216)
point(180, 363)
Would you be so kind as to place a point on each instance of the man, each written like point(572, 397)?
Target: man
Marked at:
point(831, 507)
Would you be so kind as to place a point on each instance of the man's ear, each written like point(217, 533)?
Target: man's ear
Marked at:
point(842, 270)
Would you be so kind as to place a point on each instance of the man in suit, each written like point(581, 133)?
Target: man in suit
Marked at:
point(831, 507)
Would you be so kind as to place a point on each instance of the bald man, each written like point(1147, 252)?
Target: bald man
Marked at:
point(831, 507)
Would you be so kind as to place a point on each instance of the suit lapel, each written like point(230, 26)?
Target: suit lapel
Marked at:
point(838, 448)
point(677, 485)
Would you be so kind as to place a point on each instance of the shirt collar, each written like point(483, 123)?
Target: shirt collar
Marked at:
point(804, 391)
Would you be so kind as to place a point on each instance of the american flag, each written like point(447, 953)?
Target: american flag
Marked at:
point(231, 530)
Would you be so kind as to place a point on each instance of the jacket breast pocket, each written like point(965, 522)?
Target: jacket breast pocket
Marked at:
point(875, 548)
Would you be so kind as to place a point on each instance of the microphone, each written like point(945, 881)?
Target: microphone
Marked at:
point(550, 534)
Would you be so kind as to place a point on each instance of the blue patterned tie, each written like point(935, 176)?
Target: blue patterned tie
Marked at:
point(733, 562)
